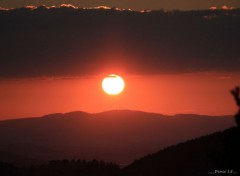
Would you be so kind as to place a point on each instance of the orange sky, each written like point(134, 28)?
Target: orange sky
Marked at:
point(200, 93)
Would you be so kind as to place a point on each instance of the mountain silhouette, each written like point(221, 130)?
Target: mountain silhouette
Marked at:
point(217, 153)
point(119, 136)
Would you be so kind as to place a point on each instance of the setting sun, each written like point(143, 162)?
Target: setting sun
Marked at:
point(113, 84)
point(119, 88)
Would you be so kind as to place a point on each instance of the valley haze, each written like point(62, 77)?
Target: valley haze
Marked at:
point(119, 136)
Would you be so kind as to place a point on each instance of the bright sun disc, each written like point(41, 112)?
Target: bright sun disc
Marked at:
point(113, 84)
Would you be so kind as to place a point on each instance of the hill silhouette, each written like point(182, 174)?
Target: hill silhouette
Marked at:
point(217, 153)
point(119, 136)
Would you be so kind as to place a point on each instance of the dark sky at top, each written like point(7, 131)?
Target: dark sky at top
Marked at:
point(67, 41)
point(133, 4)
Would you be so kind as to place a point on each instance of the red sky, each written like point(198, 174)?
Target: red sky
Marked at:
point(199, 93)
point(172, 62)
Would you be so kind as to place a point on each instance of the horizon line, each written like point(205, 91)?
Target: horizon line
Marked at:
point(109, 111)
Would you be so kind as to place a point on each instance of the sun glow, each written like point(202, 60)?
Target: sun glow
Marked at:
point(113, 84)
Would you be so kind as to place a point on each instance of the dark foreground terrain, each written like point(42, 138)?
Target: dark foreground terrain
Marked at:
point(217, 153)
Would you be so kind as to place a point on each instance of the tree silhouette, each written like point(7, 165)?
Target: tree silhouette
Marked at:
point(7, 169)
point(236, 94)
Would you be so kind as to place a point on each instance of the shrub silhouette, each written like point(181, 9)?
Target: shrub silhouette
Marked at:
point(236, 94)
point(7, 169)
point(63, 167)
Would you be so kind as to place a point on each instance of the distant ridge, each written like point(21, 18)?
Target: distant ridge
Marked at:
point(117, 136)
point(116, 112)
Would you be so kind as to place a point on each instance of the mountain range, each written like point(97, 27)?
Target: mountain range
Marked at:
point(119, 136)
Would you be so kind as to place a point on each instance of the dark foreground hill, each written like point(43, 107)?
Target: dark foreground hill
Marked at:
point(113, 136)
point(216, 154)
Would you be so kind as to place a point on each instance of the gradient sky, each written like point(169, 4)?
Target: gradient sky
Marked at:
point(195, 93)
point(53, 60)
point(132, 4)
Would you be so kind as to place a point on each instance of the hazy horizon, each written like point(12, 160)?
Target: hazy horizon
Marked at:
point(100, 135)
point(37, 97)
point(106, 111)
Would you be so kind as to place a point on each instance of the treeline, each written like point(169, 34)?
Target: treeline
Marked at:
point(62, 168)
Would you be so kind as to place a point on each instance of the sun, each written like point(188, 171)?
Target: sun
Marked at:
point(113, 84)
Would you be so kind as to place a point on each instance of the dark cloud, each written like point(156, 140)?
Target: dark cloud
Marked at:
point(133, 4)
point(67, 40)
